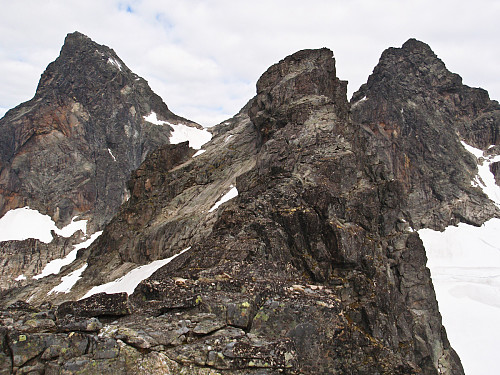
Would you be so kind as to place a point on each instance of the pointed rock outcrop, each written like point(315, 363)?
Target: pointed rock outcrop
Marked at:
point(70, 150)
point(411, 110)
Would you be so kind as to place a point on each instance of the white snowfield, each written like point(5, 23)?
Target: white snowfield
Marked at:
point(54, 266)
point(67, 282)
point(115, 62)
point(182, 133)
point(465, 267)
point(485, 178)
point(232, 193)
point(129, 282)
point(23, 223)
point(198, 153)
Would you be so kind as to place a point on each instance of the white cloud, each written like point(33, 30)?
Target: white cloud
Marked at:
point(204, 57)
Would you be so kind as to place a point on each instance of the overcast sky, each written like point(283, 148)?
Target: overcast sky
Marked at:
point(204, 57)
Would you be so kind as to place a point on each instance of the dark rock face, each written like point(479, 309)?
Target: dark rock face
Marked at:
point(171, 195)
point(282, 89)
point(101, 304)
point(70, 150)
point(30, 256)
point(314, 267)
point(411, 110)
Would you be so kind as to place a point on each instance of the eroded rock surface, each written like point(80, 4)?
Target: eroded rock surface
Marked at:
point(411, 110)
point(70, 150)
point(314, 267)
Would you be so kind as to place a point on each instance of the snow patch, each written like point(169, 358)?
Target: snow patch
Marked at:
point(20, 278)
point(198, 153)
point(228, 138)
point(54, 266)
point(72, 227)
point(478, 153)
point(226, 197)
point(115, 62)
point(67, 282)
point(182, 133)
point(364, 98)
point(196, 137)
point(465, 267)
point(129, 282)
point(23, 223)
point(485, 179)
point(153, 118)
point(113, 156)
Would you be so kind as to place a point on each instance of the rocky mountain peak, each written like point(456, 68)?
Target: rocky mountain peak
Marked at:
point(76, 41)
point(70, 150)
point(77, 44)
point(415, 47)
point(290, 90)
point(82, 66)
point(92, 108)
point(415, 68)
point(413, 108)
point(301, 62)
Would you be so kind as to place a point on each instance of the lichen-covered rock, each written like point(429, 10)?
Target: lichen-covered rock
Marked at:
point(101, 304)
point(25, 346)
point(75, 323)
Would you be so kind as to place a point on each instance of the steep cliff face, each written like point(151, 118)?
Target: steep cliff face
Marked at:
point(415, 113)
point(70, 150)
point(311, 265)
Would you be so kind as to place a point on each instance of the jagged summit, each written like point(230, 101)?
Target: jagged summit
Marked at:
point(415, 107)
point(413, 46)
point(81, 62)
point(300, 83)
point(76, 42)
point(86, 71)
point(88, 99)
point(304, 60)
point(82, 66)
point(70, 150)
point(417, 69)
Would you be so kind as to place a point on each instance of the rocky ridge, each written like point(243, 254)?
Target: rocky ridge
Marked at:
point(314, 267)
